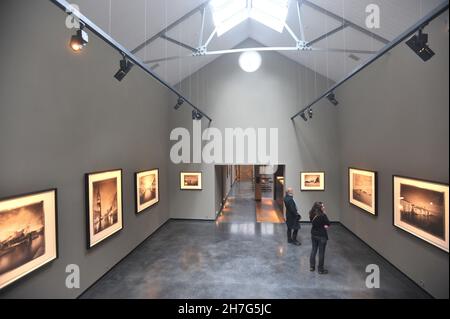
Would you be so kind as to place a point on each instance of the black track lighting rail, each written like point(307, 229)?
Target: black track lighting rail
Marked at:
point(405, 35)
point(67, 7)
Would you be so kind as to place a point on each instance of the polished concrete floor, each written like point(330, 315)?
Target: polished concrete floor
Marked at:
point(240, 258)
point(241, 206)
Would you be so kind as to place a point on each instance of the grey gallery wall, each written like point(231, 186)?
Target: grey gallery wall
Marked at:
point(63, 115)
point(264, 99)
point(393, 118)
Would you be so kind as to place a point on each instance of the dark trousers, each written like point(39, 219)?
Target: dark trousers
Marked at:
point(318, 244)
point(292, 234)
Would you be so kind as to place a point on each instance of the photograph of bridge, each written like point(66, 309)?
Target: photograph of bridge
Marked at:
point(421, 208)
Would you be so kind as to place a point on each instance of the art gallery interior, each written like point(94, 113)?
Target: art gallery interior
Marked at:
point(99, 200)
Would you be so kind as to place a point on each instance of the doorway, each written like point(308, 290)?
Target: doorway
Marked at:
point(254, 194)
point(269, 192)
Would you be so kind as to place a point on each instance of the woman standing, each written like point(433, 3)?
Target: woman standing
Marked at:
point(319, 236)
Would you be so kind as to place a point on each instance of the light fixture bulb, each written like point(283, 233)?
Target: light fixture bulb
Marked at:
point(79, 40)
point(250, 61)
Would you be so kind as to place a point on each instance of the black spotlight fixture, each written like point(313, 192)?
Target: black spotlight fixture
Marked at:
point(180, 102)
point(303, 116)
point(332, 98)
point(310, 113)
point(125, 67)
point(419, 44)
point(79, 40)
point(196, 115)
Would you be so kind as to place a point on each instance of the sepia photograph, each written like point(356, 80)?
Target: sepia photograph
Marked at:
point(312, 181)
point(104, 205)
point(421, 208)
point(362, 189)
point(147, 189)
point(27, 234)
point(191, 181)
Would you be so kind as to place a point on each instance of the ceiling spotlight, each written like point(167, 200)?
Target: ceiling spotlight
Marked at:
point(303, 116)
point(310, 113)
point(180, 102)
point(419, 44)
point(250, 61)
point(196, 115)
point(79, 40)
point(125, 67)
point(332, 98)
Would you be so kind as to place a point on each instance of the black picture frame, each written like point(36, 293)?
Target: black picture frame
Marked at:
point(136, 196)
point(193, 173)
point(422, 180)
point(89, 244)
point(376, 202)
point(54, 257)
point(303, 189)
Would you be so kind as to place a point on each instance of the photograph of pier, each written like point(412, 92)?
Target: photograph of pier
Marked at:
point(22, 236)
point(362, 189)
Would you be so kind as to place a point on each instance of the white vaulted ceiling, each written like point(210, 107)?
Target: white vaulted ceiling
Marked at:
point(131, 22)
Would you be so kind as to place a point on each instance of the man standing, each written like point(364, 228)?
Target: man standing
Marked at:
point(292, 217)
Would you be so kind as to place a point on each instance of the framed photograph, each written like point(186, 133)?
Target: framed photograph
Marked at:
point(312, 181)
point(104, 205)
point(191, 181)
point(147, 189)
point(362, 189)
point(421, 209)
point(28, 234)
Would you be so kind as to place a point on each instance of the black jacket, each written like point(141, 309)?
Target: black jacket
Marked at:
point(292, 215)
point(318, 225)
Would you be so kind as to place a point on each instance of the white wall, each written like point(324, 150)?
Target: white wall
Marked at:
point(264, 99)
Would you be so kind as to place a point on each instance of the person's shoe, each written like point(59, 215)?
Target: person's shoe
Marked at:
point(323, 272)
point(312, 269)
point(290, 241)
point(297, 243)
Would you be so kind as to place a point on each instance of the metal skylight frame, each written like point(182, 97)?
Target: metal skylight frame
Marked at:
point(228, 14)
point(300, 42)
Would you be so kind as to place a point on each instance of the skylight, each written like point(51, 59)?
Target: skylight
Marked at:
point(227, 14)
